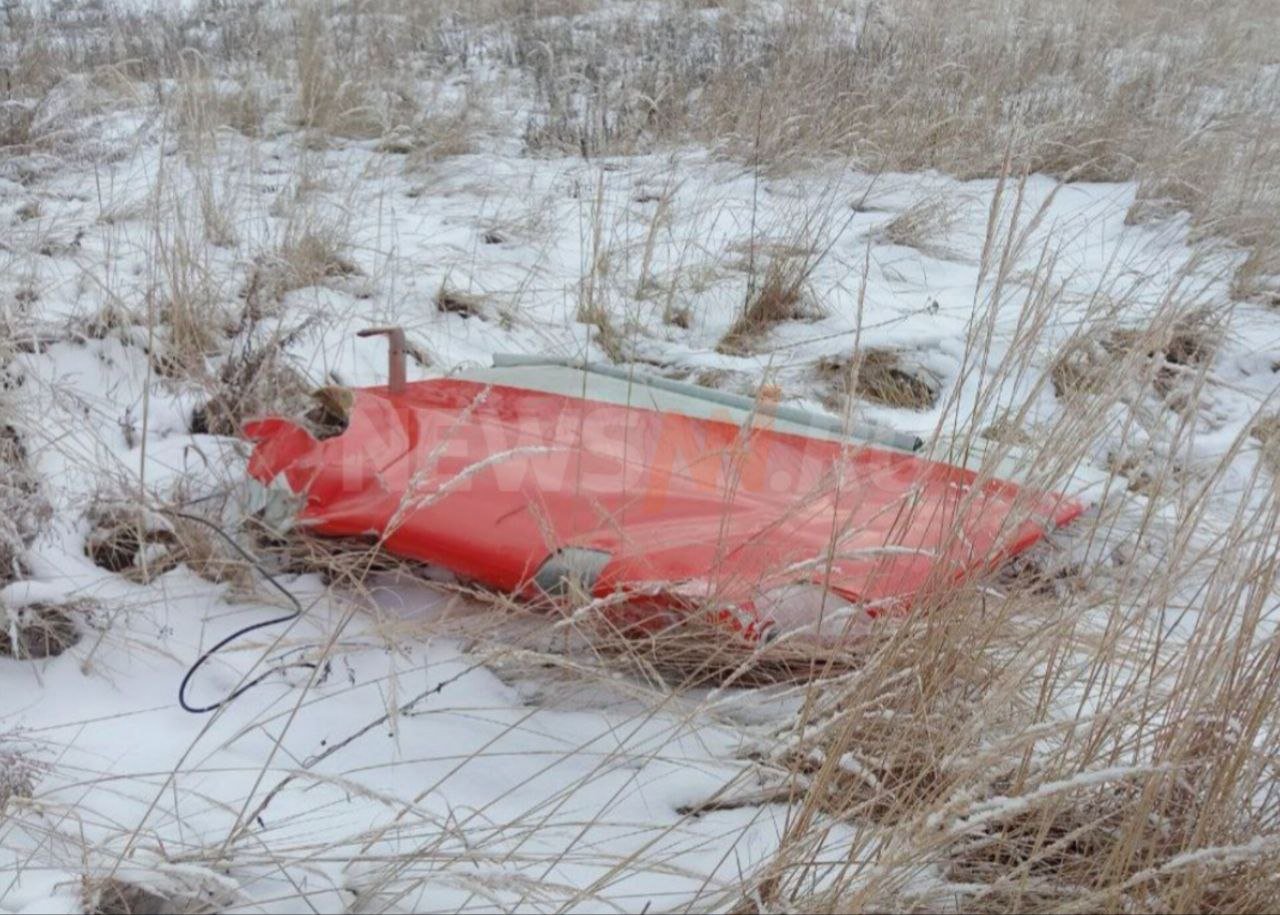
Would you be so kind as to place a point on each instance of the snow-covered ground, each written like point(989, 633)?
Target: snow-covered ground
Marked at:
point(416, 768)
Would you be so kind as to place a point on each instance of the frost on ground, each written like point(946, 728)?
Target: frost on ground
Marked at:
point(194, 244)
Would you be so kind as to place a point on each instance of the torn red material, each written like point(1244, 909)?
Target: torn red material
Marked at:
point(492, 482)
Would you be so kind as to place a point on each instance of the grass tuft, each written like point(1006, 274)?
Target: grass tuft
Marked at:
point(779, 293)
point(1159, 355)
point(23, 511)
point(41, 630)
point(456, 302)
point(880, 375)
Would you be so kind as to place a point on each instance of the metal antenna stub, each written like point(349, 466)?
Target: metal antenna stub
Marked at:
point(395, 354)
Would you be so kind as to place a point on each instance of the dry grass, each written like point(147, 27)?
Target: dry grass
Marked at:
point(188, 308)
point(330, 97)
point(464, 304)
point(605, 332)
point(1159, 356)
point(600, 286)
point(883, 376)
point(205, 105)
point(307, 255)
point(776, 292)
point(11, 539)
point(23, 511)
point(41, 630)
point(254, 382)
point(112, 896)
point(367, 93)
point(1089, 92)
point(16, 123)
point(1043, 737)
point(19, 772)
point(924, 226)
point(940, 746)
point(142, 545)
point(1266, 429)
point(343, 564)
point(1095, 735)
point(130, 542)
point(440, 129)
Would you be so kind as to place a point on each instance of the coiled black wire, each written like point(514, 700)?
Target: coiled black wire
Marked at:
point(239, 633)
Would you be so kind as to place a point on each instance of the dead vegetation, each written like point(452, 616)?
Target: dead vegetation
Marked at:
point(1159, 356)
point(913, 739)
point(16, 122)
point(881, 375)
point(345, 564)
point(329, 98)
point(777, 292)
point(924, 226)
point(23, 512)
point(12, 539)
point(693, 652)
point(1051, 857)
point(41, 629)
point(142, 544)
point(1266, 431)
point(935, 744)
point(189, 310)
point(19, 772)
point(1088, 92)
point(605, 332)
point(1257, 279)
point(350, 93)
point(254, 382)
point(456, 302)
point(330, 413)
point(206, 104)
point(442, 130)
point(112, 896)
point(308, 255)
point(130, 542)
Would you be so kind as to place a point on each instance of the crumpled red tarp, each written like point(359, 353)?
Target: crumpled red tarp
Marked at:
point(490, 481)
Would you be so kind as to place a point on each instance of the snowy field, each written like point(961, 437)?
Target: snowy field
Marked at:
point(189, 246)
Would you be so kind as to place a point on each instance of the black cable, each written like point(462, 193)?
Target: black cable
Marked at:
point(239, 633)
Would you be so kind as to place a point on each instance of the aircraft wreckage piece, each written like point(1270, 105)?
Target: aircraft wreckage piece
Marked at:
point(539, 476)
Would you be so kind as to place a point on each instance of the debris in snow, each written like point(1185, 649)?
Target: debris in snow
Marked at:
point(674, 544)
